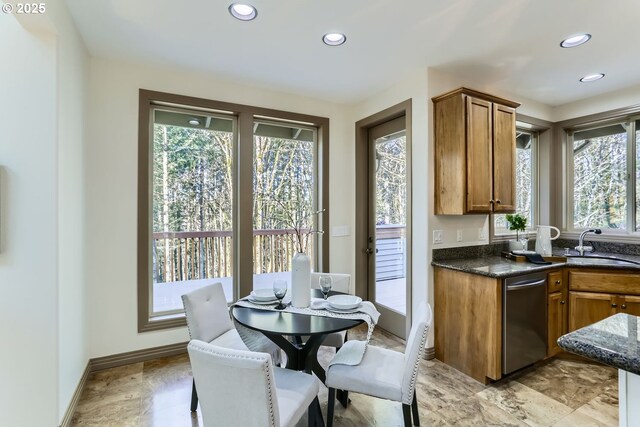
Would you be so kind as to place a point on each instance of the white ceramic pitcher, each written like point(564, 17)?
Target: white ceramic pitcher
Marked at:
point(543, 239)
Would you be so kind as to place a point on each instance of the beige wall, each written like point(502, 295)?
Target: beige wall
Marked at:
point(597, 104)
point(28, 231)
point(414, 88)
point(72, 68)
point(42, 311)
point(111, 176)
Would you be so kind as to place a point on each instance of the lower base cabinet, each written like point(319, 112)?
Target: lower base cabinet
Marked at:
point(468, 323)
point(591, 307)
point(557, 321)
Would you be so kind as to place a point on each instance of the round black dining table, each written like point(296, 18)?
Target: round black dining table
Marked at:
point(278, 325)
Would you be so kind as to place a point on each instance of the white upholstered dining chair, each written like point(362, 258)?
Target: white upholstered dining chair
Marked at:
point(340, 283)
point(208, 320)
point(385, 373)
point(242, 388)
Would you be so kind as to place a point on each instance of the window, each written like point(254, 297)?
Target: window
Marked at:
point(526, 179)
point(284, 198)
point(599, 178)
point(602, 190)
point(216, 184)
point(192, 204)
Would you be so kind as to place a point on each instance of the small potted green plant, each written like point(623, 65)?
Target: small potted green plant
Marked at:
point(517, 223)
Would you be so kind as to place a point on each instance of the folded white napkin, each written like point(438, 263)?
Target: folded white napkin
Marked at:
point(366, 307)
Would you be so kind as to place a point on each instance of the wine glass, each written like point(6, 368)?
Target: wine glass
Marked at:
point(280, 290)
point(325, 285)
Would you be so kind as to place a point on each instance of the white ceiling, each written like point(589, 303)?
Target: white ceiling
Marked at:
point(511, 45)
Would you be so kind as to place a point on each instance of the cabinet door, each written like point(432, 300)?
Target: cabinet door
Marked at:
point(504, 159)
point(557, 326)
point(586, 308)
point(479, 156)
point(630, 305)
point(555, 282)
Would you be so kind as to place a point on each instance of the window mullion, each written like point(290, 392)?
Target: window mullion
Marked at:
point(569, 200)
point(631, 176)
point(243, 229)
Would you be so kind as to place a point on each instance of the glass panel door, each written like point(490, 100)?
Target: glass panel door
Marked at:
point(388, 285)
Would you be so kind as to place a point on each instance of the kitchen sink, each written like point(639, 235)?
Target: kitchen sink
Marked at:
point(597, 260)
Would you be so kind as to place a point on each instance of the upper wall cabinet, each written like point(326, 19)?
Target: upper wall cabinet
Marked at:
point(475, 153)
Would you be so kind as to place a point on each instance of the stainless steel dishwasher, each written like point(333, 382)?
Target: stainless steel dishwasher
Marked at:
point(524, 321)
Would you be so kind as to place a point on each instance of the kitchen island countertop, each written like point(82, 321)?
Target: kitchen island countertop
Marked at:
point(613, 341)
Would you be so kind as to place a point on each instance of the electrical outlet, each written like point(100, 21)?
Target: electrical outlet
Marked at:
point(481, 234)
point(437, 236)
point(459, 235)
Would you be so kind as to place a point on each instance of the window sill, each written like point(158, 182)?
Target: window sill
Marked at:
point(163, 322)
point(604, 237)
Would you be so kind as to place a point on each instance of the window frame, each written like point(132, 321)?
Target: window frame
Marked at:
point(242, 187)
point(621, 234)
point(535, 175)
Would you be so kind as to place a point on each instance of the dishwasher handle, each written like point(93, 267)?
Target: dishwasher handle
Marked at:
point(526, 285)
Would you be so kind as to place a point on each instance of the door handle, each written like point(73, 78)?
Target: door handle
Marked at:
point(369, 251)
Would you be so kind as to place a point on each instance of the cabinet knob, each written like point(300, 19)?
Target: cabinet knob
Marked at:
point(498, 201)
point(624, 306)
point(491, 201)
point(562, 302)
point(614, 305)
point(557, 282)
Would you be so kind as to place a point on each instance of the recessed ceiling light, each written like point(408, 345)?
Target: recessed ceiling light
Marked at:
point(576, 40)
point(194, 122)
point(334, 39)
point(592, 77)
point(242, 11)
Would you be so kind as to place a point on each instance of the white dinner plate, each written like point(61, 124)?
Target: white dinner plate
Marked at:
point(262, 302)
point(336, 310)
point(344, 302)
point(262, 295)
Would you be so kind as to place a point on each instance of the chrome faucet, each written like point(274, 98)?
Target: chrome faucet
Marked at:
point(581, 248)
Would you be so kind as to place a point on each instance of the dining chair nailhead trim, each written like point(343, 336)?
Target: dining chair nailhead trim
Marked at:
point(414, 374)
point(186, 317)
point(265, 367)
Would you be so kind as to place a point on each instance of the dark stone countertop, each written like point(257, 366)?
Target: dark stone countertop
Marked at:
point(500, 267)
point(494, 266)
point(614, 341)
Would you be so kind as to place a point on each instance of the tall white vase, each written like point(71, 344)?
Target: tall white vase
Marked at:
point(300, 280)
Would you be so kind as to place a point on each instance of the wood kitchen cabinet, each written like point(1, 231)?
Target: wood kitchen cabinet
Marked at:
point(589, 307)
point(596, 295)
point(556, 311)
point(631, 305)
point(468, 323)
point(475, 152)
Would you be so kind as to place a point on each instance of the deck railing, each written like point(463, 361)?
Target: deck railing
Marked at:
point(193, 255)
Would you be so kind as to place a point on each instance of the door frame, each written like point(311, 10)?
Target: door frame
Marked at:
point(362, 198)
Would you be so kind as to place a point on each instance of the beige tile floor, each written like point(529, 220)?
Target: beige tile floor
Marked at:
point(563, 391)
